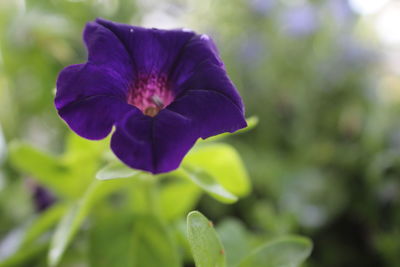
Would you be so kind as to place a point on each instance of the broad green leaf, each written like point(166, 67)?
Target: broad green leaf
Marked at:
point(251, 123)
point(235, 240)
point(116, 170)
point(209, 184)
point(111, 226)
point(83, 156)
point(171, 196)
point(153, 245)
point(222, 162)
point(283, 252)
point(78, 148)
point(206, 247)
point(67, 175)
point(46, 169)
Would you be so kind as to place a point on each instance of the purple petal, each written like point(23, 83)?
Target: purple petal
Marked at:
point(153, 144)
point(209, 76)
point(77, 82)
point(107, 51)
point(211, 112)
point(100, 86)
point(151, 50)
point(200, 49)
point(93, 117)
point(90, 98)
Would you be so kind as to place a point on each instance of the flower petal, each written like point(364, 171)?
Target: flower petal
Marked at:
point(209, 76)
point(76, 82)
point(198, 50)
point(210, 112)
point(153, 144)
point(90, 99)
point(107, 51)
point(151, 50)
point(94, 117)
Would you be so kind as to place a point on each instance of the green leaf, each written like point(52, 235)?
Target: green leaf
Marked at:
point(78, 148)
point(111, 226)
point(46, 169)
point(251, 124)
point(44, 222)
point(69, 225)
point(171, 195)
point(67, 175)
point(153, 245)
point(208, 184)
point(83, 156)
point(206, 247)
point(23, 255)
point(283, 252)
point(222, 162)
point(116, 170)
point(235, 240)
point(77, 212)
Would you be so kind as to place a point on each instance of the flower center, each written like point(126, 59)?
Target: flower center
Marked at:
point(150, 94)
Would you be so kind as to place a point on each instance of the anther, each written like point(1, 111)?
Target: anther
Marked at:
point(157, 101)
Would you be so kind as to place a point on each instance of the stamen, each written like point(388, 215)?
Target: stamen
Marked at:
point(157, 100)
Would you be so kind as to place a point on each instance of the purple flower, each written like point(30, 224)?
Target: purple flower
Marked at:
point(161, 89)
point(262, 7)
point(341, 12)
point(300, 20)
point(43, 198)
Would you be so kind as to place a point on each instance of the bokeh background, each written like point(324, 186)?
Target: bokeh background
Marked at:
point(322, 76)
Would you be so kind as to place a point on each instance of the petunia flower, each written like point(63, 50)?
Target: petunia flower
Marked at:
point(160, 89)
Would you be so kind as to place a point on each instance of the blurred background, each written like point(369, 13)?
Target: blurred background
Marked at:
point(322, 76)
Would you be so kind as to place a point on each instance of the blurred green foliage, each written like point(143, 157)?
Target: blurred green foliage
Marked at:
point(323, 160)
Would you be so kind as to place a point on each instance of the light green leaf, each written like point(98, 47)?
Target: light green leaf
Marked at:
point(283, 252)
point(171, 195)
point(78, 148)
point(222, 162)
point(83, 156)
point(67, 175)
point(208, 184)
point(46, 169)
point(251, 123)
point(116, 170)
point(206, 247)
